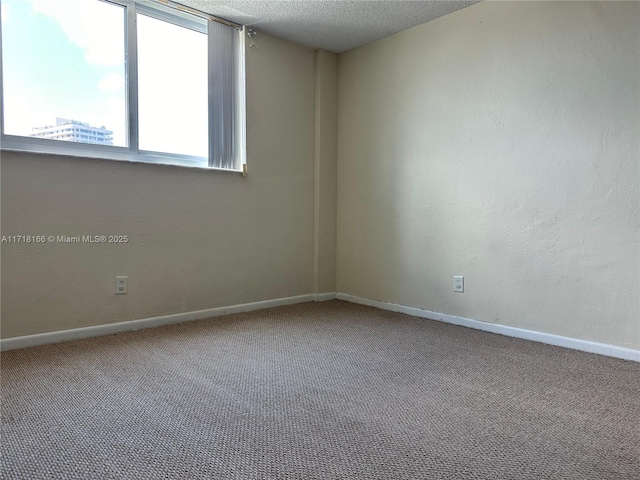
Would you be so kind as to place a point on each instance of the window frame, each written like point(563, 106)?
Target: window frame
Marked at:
point(132, 153)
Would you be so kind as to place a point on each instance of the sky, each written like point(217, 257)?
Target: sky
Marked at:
point(66, 58)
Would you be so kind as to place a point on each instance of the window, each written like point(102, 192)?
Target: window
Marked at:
point(122, 79)
point(177, 123)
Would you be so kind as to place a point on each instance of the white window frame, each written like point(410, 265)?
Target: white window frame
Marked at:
point(176, 15)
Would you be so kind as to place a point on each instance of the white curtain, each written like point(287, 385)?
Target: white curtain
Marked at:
point(223, 54)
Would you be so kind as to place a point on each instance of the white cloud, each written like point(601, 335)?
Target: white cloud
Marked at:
point(111, 83)
point(6, 13)
point(96, 27)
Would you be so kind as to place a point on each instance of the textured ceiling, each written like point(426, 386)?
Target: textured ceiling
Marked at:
point(335, 25)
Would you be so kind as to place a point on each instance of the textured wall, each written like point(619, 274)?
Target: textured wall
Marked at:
point(198, 239)
point(499, 143)
point(326, 151)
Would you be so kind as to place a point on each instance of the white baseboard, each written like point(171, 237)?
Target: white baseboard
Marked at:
point(323, 297)
point(111, 328)
point(557, 340)
point(108, 329)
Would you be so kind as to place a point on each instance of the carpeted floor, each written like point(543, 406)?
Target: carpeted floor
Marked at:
point(317, 391)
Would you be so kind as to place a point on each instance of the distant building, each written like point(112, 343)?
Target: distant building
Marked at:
point(74, 131)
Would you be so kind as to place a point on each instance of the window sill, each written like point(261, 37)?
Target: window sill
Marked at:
point(113, 153)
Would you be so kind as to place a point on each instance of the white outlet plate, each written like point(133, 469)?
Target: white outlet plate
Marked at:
point(122, 285)
point(458, 284)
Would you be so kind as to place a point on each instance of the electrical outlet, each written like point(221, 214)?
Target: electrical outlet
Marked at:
point(458, 284)
point(122, 284)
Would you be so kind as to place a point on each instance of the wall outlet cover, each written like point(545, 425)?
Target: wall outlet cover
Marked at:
point(122, 285)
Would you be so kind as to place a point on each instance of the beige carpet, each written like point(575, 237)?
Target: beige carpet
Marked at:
point(317, 391)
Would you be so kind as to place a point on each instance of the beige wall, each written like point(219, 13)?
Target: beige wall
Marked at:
point(197, 239)
point(499, 143)
point(326, 151)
